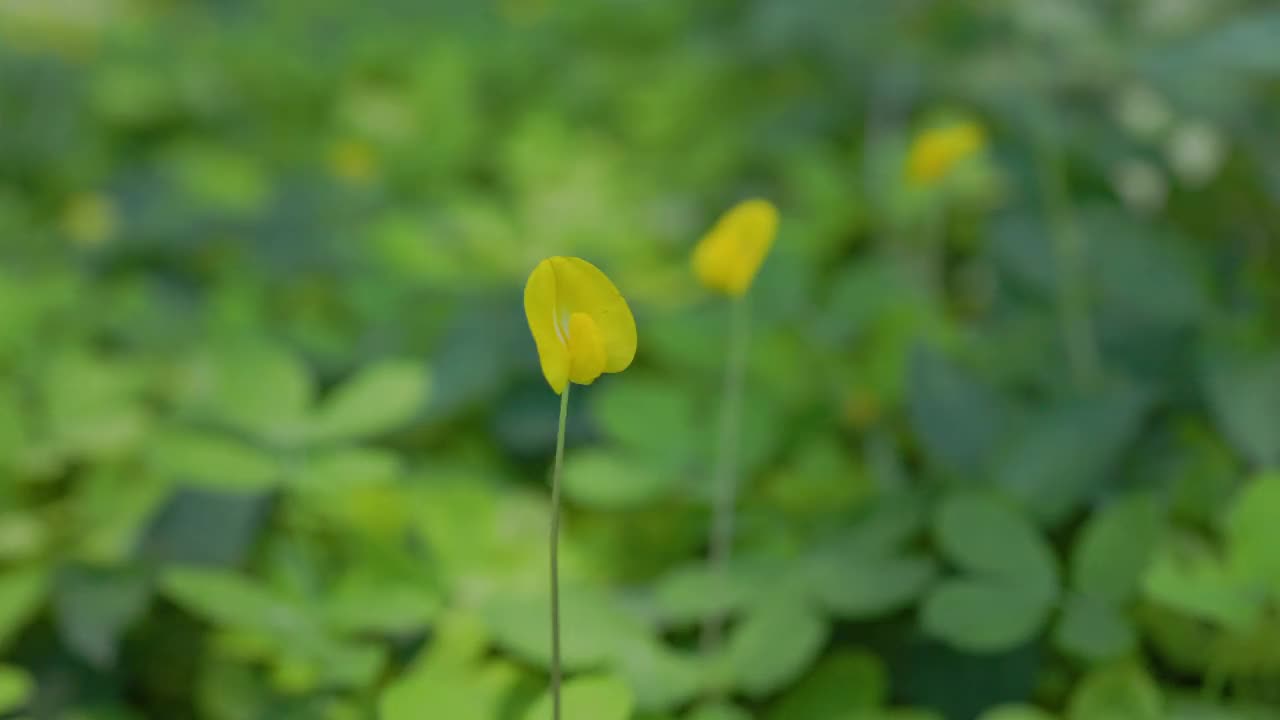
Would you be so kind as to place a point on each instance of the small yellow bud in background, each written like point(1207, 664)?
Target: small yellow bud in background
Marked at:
point(937, 151)
point(90, 219)
point(580, 322)
point(729, 256)
point(353, 161)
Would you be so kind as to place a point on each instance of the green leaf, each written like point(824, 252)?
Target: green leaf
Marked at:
point(449, 679)
point(661, 678)
point(1244, 394)
point(842, 684)
point(380, 398)
point(228, 599)
point(16, 687)
point(862, 588)
point(774, 646)
point(210, 460)
point(1122, 692)
point(985, 616)
point(22, 591)
point(260, 389)
point(689, 594)
point(1253, 533)
point(1115, 548)
point(1093, 629)
point(957, 419)
point(1191, 579)
point(520, 623)
point(1065, 455)
point(649, 417)
point(983, 535)
point(94, 607)
point(1012, 582)
point(605, 480)
point(599, 697)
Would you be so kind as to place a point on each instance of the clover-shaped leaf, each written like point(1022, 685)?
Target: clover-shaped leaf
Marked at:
point(1010, 578)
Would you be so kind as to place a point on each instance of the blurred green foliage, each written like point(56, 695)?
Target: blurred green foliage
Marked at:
point(273, 439)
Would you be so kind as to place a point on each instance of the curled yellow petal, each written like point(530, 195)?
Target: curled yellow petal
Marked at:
point(586, 349)
point(730, 254)
point(580, 323)
point(937, 151)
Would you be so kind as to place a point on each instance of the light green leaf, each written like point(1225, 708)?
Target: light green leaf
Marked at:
point(605, 480)
point(1191, 579)
point(661, 678)
point(862, 588)
point(22, 591)
point(1115, 547)
point(844, 684)
point(599, 697)
point(231, 600)
point(520, 624)
point(985, 616)
point(983, 535)
point(774, 646)
point(691, 593)
point(260, 389)
point(16, 686)
point(1093, 629)
point(379, 399)
point(449, 678)
point(1253, 533)
point(649, 417)
point(1122, 692)
point(214, 461)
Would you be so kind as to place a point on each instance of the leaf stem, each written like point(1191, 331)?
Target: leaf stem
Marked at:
point(555, 555)
point(1069, 257)
point(725, 469)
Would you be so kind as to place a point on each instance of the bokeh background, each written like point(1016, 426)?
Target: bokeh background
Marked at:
point(274, 443)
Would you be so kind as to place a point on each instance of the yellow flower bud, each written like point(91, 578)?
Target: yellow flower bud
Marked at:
point(580, 322)
point(729, 256)
point(937, 151)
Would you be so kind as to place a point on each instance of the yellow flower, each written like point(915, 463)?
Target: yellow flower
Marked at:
point(729, 256)
point(90, 219)
point(580, 322)
point(936, 151)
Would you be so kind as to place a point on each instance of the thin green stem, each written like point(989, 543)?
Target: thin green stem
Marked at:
point(1069, 257)
point(725, 469)
point(555, 556)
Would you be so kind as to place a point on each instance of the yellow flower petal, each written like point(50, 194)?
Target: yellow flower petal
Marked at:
point(729, 256)
point(935, 152)
point(586, 349)
point(559, 290)
point(540, 310)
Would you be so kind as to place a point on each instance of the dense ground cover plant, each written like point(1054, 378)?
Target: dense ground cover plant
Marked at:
point(274, 437)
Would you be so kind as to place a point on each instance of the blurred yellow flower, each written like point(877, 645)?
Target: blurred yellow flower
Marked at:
point(580, 322)
point(729, 256)
point(353, 161)
point(90, 219)
point(938, 150)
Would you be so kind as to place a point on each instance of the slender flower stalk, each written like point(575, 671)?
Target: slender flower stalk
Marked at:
point(724, 475)
point(556, 671)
